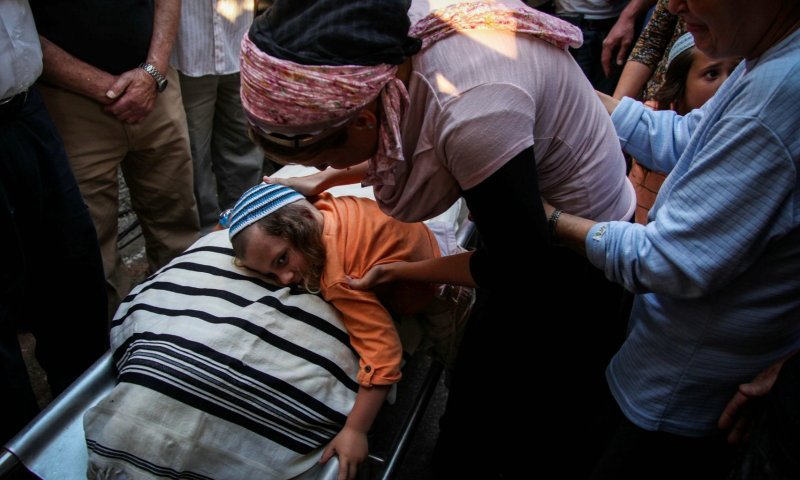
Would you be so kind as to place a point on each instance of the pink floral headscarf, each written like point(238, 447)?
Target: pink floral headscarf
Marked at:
point(286, 97)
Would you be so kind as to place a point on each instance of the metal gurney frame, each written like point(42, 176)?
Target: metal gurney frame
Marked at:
point(52, 446)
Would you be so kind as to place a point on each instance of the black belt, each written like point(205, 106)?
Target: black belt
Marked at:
point(579, 21)
point(10, 106)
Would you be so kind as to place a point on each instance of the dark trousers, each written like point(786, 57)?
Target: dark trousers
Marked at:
point(51, 281)
point(589, 55)
point(527, 386)
point(634, 453)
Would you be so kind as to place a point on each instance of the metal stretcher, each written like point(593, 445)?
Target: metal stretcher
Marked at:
point(52, 446)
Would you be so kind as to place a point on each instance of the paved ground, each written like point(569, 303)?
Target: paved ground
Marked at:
point(416, 464)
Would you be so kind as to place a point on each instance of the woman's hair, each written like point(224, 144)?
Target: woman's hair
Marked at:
point(296, 224)
point(280, 153)
point(674, 87)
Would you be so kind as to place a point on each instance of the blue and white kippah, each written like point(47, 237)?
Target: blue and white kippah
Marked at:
point(255, 204)
point(683, 43)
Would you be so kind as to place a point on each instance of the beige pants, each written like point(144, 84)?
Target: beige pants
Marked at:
point(157, 166)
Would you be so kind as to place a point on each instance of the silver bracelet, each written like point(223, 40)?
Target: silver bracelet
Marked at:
point(552, 221)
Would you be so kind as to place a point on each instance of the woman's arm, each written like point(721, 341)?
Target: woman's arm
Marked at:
point(350, 444)
point(453, 270)
point(508, 214)
point(649, 50)
point(570, 230)
point(632, 80)
point(608, 101)
point(317, 183)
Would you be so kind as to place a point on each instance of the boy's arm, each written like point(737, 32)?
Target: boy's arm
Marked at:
point(350, 444)
point(452, 269)
point(317, 183)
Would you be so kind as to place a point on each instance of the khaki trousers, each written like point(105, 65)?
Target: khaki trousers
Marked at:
point(156, 162)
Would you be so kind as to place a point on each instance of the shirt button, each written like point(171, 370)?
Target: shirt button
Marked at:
point(367, 369)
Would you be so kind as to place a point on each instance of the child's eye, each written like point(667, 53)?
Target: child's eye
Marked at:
point(712, 74)
point(282, 260)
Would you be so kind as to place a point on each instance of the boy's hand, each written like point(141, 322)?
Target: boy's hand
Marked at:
point(351, 447)
point(375, 276)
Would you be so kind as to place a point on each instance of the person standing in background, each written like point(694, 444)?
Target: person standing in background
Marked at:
point(206, 56)
point(643, 73)
point(51, 281)
point(117, 103)
point(595, 18)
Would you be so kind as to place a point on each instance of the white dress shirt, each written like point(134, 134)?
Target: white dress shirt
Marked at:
point(209, 36)
point(20, 51)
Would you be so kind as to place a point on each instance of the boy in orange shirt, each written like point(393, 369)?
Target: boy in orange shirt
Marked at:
point(277, 232)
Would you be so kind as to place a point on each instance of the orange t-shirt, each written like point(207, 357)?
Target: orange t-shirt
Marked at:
point(357, 236)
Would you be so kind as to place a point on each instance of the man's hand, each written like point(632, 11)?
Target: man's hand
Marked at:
point(736, 416)
point(134, 94)
point(617, 44)
point(351, 447)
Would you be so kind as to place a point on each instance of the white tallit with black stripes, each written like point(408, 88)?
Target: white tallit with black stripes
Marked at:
point(221, 376)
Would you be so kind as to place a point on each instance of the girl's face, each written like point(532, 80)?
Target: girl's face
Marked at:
point(704, 78)
point(274, 257)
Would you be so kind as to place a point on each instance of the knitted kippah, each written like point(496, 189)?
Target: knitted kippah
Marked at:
point(257, 203)
point(683, 43)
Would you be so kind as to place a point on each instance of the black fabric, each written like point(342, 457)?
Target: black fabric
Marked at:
point(634, 453)
point(332, 32)
point(51, 282)
point(525, 397)
point(508, 213)
point(112, 35)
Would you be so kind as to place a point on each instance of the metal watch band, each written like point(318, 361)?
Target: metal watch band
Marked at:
point(161, 80)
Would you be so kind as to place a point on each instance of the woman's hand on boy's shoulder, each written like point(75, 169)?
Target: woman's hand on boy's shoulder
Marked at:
point(309, 185)
point(375, 276)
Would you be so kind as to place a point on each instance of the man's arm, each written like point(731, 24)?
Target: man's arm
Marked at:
point(135, 91)
point(68, 72)
point(620, 37)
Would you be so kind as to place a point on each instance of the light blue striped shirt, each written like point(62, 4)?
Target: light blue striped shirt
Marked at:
point(717, 270)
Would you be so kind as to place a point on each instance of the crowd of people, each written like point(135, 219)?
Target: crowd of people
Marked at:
point(673, 308)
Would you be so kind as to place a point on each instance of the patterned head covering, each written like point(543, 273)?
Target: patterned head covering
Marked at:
point(255, 204)
point(289, 98)
point(683, 43)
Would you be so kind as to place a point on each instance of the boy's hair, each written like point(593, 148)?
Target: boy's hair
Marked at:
point(294, 223)
point(673, 89)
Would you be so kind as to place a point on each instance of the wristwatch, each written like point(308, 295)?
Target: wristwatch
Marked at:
point(161, 80)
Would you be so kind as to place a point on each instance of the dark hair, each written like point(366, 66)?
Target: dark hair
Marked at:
point(280, 153)
point(294, 223)
point(674, 87)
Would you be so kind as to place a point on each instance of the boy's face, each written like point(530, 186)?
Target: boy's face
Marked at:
point(274, 257)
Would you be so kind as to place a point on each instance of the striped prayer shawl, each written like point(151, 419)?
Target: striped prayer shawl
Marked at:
point(222, 375)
